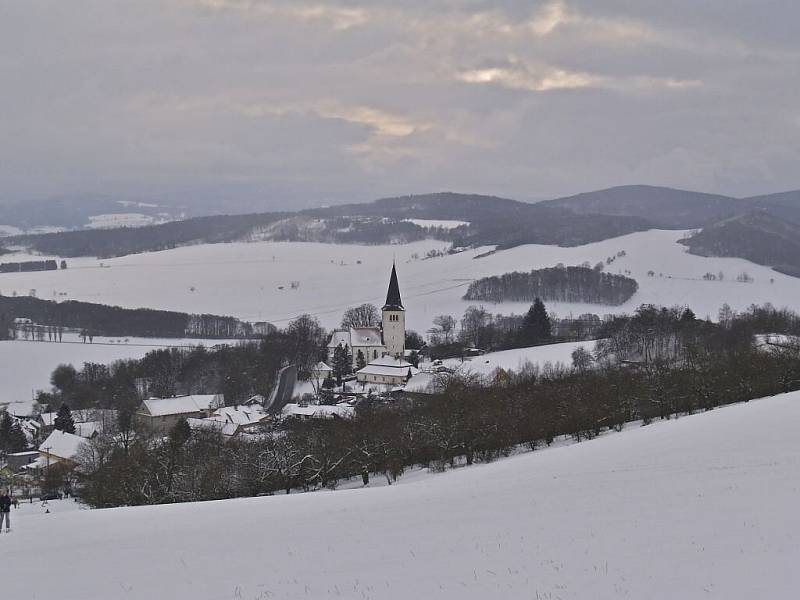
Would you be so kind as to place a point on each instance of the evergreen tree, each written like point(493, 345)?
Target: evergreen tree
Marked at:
point(63, 420)
point(17, 442)
point(5, 431)
point(688, 316)
point(179, 434)
point(361, 362)
point(342, 362)
point(536, 326)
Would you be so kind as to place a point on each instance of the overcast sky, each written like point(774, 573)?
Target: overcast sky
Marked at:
point(292, 103)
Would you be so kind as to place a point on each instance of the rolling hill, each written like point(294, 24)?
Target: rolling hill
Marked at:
point(757, 236)
point(665, 208)
point(699, 507)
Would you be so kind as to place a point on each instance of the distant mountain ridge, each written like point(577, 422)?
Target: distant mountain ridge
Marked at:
point(490, 220)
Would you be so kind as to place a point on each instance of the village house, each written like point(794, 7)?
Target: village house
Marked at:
point(387, 371)
point(317, 411)
point(161, 414)
point(17, 460)
point(231, 421)
point(59, 448)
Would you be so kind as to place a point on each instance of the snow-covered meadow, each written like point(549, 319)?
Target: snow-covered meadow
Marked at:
point(700, 507)
point(253, 281)
point(26, 366)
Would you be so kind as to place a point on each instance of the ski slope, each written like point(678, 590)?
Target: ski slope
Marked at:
point(702, 507)
point(253, 281)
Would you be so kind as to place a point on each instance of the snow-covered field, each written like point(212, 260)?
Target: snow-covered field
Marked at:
point(107, 221)
point(701, 507)
point(26, 366)
point(515, 359)
point(441, 223)
point(253, 280)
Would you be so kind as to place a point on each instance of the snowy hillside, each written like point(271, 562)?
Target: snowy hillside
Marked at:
point(26, 366)
point(253, 281)
point(701, 507)
point(514, 359)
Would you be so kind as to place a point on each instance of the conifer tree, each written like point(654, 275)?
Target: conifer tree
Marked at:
point(17, 442)
point(536, 325)
point(63, 420)
point(361, 362)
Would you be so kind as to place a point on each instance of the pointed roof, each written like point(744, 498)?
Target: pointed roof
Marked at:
point(393, 301)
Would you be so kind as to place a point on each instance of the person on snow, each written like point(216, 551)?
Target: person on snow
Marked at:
point(5, 510)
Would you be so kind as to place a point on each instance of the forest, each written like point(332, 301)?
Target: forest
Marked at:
point(557, 284)
point(28, 266)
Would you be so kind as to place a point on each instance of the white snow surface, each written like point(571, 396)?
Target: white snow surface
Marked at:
point(245, 279)
point(110, 220)
point(26, 366)
point(513, 360)
point(700, 507)
point(441, 223)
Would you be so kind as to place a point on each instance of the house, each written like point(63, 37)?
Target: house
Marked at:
point(317, 411)
point(161, 414)
point(321, 371)
point(59, 448)
point(231, 421)
point(17, 460)
point(375, 342)
point(387, 370)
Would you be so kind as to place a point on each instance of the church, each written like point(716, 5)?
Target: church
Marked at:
point(382, 348)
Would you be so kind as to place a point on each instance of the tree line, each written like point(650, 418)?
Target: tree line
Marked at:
point(112, 321)
point(29, 266)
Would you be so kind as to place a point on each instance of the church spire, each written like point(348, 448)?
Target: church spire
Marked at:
point(393, 301)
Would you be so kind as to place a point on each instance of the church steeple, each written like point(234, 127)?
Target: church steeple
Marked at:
point(393, 300)
point(393, 326)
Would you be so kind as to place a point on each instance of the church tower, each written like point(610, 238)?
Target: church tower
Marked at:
point(394, 319)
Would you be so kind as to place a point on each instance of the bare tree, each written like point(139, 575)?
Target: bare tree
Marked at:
point(364, 315)
point(443, 330)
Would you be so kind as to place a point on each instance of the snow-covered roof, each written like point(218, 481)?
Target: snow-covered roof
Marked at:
point(321, 367)
point(180, 405)
point(339, 337)
point(317, 411)
point(357, 337)
point(365, 336)
point(241, 415)
point(48, 418)
point(228, 419)
point(389, 366)
point(62, 445)
point(24, 408)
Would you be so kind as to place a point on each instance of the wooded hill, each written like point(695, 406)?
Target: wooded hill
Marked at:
point(758, 237)
point(502, 222)
point(557, 284)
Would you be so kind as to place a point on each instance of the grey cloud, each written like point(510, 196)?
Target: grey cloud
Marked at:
point(322, 101)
